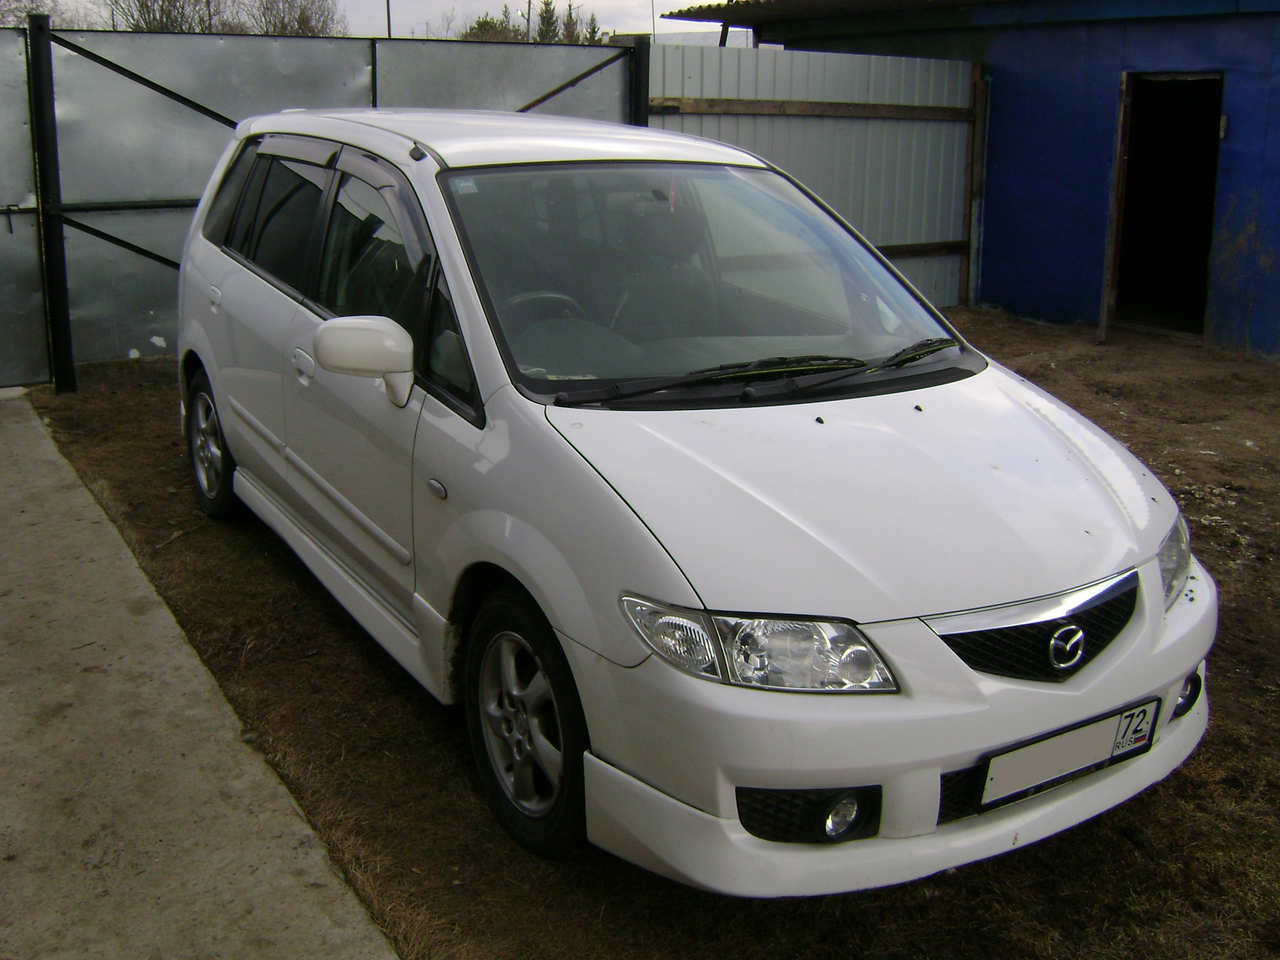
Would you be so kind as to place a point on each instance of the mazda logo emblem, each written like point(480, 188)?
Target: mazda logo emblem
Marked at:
point(1066, 647)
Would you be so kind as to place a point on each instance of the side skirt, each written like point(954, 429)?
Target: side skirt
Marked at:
point(391, 631)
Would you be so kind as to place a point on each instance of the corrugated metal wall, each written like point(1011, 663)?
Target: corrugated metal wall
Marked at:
point(897, 180)
point(24, 357)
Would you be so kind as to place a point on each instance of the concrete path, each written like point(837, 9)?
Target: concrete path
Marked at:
point(133, 821)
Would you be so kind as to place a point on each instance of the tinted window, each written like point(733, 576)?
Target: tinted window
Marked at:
point(223, 206)
point(281, 228)
point(366, 268)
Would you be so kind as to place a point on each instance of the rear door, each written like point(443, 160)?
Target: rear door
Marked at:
point(349, 448)
point(254, 288)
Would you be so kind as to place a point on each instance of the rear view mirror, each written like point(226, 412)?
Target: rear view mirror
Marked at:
point(368, 347)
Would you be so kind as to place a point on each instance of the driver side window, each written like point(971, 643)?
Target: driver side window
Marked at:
point(366, 268)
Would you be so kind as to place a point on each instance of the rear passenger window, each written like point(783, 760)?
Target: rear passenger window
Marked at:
point(286, 215)
point(223, 207)
point(275, 234)
point(366, 268)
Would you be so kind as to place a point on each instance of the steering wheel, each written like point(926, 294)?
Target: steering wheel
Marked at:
point(525, 309)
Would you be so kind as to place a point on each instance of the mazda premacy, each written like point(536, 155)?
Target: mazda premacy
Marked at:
point(742, 563)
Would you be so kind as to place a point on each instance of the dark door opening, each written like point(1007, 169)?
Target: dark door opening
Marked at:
point(1166, 215)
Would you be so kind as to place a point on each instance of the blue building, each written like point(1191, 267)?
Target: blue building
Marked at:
point(1133, 148)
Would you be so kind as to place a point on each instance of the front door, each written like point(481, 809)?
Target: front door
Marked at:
point(349, 447)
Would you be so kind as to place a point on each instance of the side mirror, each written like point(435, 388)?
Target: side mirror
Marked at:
point(368, 347)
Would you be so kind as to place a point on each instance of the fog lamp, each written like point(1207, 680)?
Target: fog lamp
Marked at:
point(1188, 697)
point(842, 816)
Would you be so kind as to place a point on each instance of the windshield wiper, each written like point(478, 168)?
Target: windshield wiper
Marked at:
point(917, 351)
point(782, 364)
point(765, 366)
point(910, 354)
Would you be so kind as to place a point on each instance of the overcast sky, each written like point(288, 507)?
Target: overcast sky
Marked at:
point(408, 17)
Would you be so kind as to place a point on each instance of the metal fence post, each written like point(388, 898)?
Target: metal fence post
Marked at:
point(53, 254)
point(639, 86)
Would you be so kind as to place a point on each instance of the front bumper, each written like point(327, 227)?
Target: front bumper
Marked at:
point(669, 752)
point(653, 830)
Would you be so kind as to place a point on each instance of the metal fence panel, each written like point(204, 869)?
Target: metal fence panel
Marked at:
point(897, 180)
point(118, 140)
point(124, 305)
point(17, 174)
point(24, 354)
point(500, 76)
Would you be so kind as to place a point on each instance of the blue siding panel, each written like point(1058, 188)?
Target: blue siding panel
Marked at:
point(1051, 139)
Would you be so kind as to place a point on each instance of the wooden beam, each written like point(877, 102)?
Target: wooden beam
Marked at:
point(713, 106)
point(942, 248)
point(1115, 214)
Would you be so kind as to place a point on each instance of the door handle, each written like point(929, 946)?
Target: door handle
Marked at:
point(303, 363)
point(215, 295)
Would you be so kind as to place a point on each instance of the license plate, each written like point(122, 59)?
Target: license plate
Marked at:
point(1064, 753)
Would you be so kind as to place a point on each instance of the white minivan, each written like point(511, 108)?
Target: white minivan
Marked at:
point(743, 564)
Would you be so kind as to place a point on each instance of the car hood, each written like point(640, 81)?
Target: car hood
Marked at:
point(978, 492)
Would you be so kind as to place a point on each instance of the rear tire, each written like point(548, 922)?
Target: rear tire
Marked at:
point(212, 466)
point(526, 725)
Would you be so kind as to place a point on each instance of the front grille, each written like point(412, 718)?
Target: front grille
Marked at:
point(797, 816)
point(1022, 651)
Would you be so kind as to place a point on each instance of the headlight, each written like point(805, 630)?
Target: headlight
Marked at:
point(780, 654)
point(1175, 561)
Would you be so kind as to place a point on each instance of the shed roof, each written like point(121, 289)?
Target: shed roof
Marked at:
point(749, 13)
point(757, 13)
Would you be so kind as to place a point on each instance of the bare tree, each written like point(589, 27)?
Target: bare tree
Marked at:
point(445, 30)
point(13, 13)
point(295, 18)
point(175, 16)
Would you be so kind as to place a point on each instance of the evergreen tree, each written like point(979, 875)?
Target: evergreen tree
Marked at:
point(488, 27)
point(569, 27)
point(593, 36)
point(548, 29)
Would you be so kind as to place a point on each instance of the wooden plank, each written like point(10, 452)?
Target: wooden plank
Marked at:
point(1115, 218)
point(720, 106)
point(942, 248)
point(974, 178)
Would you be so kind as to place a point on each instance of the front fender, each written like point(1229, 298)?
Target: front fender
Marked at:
point(524, 500)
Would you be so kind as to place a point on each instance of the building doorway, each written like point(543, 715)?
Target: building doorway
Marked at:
point(1162, 201)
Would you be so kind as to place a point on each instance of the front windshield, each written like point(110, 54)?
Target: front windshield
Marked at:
point(613, 273)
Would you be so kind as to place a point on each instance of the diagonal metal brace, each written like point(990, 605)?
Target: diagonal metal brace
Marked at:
point(111, 238)
point(574, 81)
point(138, 78)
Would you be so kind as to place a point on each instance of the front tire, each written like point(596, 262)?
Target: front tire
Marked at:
point(526, 726)
point(212, 465)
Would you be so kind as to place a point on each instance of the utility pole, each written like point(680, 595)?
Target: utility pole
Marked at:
point(528, 22)
point(388, 19)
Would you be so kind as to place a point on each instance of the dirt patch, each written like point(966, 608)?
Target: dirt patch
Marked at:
point(1189, 869)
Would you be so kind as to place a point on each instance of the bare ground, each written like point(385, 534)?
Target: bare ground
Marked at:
point(1191, 868)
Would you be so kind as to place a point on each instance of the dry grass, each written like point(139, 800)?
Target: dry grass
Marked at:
point(1189, 869)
